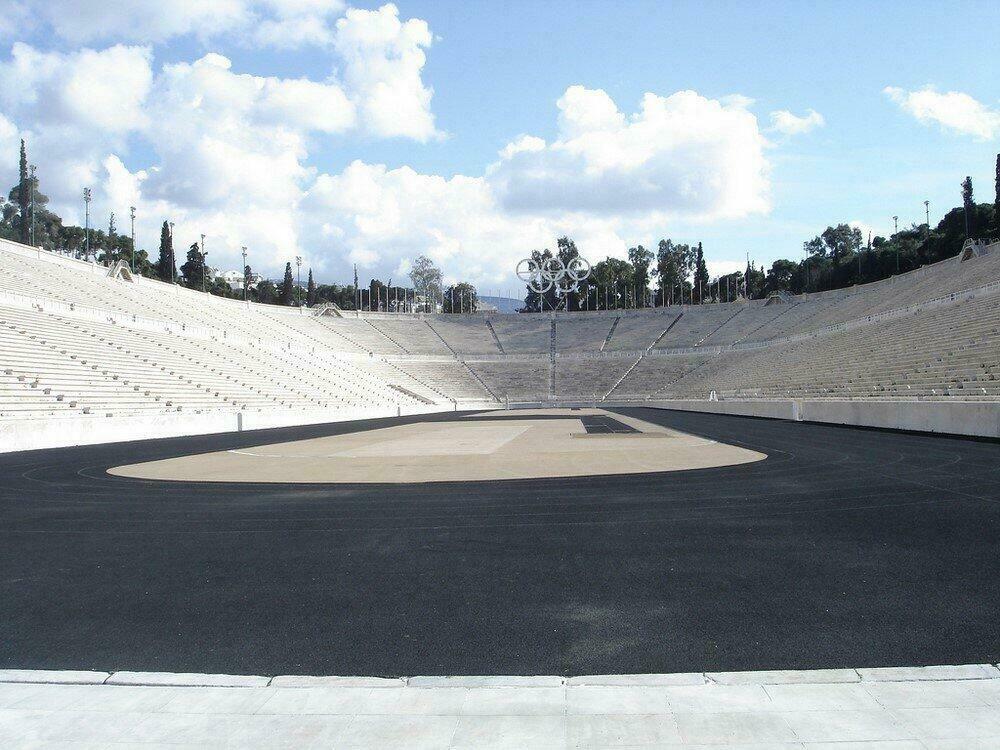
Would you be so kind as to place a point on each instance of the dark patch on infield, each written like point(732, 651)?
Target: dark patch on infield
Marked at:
point(603, 424)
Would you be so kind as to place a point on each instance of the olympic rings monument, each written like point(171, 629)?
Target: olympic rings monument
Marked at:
point(553, 272)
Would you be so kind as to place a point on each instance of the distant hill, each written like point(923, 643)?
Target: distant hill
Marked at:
point(503, 304)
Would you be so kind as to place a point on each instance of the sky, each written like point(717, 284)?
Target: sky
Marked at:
point(475, 132)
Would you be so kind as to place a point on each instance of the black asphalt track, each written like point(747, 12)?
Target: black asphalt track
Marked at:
point(846, 547)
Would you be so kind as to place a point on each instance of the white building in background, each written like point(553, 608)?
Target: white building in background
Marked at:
point(235, 279)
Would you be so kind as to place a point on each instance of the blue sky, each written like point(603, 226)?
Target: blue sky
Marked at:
point(282, 179)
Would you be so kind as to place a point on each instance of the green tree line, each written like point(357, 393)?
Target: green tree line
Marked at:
point(838, 257)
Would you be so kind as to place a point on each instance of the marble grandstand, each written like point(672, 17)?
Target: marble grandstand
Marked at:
point(80, 340)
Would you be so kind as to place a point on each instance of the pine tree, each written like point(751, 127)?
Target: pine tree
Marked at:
point(357, 302)
point(310, 290)
point(287, 286)
point(24, 196)
point(194, 268)
point(968, 205)
point(165, 265)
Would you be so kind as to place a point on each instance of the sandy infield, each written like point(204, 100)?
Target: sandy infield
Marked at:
point(482, 447)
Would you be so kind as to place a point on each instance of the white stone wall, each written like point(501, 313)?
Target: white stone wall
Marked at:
point(978, 418)
point(57, 432)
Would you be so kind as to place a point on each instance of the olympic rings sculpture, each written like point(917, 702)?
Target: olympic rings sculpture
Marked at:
point(565, 277)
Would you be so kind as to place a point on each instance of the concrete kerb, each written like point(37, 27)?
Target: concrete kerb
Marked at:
point(961, 672)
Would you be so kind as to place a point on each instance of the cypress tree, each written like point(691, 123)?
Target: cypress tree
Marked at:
point(24, 196)
point(287, 286)
point(700, 274)
point(968, 205)
point(310, 290)
point(165, 263)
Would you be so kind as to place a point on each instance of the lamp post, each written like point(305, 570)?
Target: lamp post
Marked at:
point(131, 213)
point(246, 276)
point(927, 225)
point(204, 263)
point(173, 269)
point(298, 273)
point(32, 168)
point(86, 210)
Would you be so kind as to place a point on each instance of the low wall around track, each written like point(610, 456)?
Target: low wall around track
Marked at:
point(61, 432)
point(977, 418)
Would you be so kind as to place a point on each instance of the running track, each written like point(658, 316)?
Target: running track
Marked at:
point(845, 547)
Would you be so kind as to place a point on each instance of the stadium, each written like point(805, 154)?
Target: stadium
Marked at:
point(721, 504)
point(448, 375)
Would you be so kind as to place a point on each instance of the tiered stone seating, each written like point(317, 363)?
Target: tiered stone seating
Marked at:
point(86, 285)
point(362, 334)
point(514, 379)
point(582, 331)
point(589, 379)
point(746, 319)
point(653, 377)
point(465, 334)
point(87, 372)
point(522, 334)
point(411, 333)
point(638, 331)
point(75, 341)
point(450, 378)
point(951, 351)
point(103, 368)
point(316, 331)
point(698, 323)
point(389, 372)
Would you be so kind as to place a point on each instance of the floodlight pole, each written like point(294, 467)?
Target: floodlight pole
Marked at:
point(86, 210)
point(246, 279)
point(131, 213)
point(173, 262)
point(204, 263)
point(298, 271)
point(895, 238)
point(927, 213)
point(32, 168)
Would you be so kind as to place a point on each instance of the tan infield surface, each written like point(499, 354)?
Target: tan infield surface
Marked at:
point(482, 447)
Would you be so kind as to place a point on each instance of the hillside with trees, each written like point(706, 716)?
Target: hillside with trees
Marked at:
point(839, 256)
point(667, 274)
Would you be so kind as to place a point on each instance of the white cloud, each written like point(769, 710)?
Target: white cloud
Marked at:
point(9, 137)
point(74, 109)
point(718, 268)
point(221, 134)
point(698, 158)
point(583, 111)
point(681, 155)
point(786, 123)
point(867, 230)
point(136, 20)
point(297, 23)
point(100, 89)
point(522, 143)
point(952, 110)
point(278, 23)
point(230, 155)
point(383, 59)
